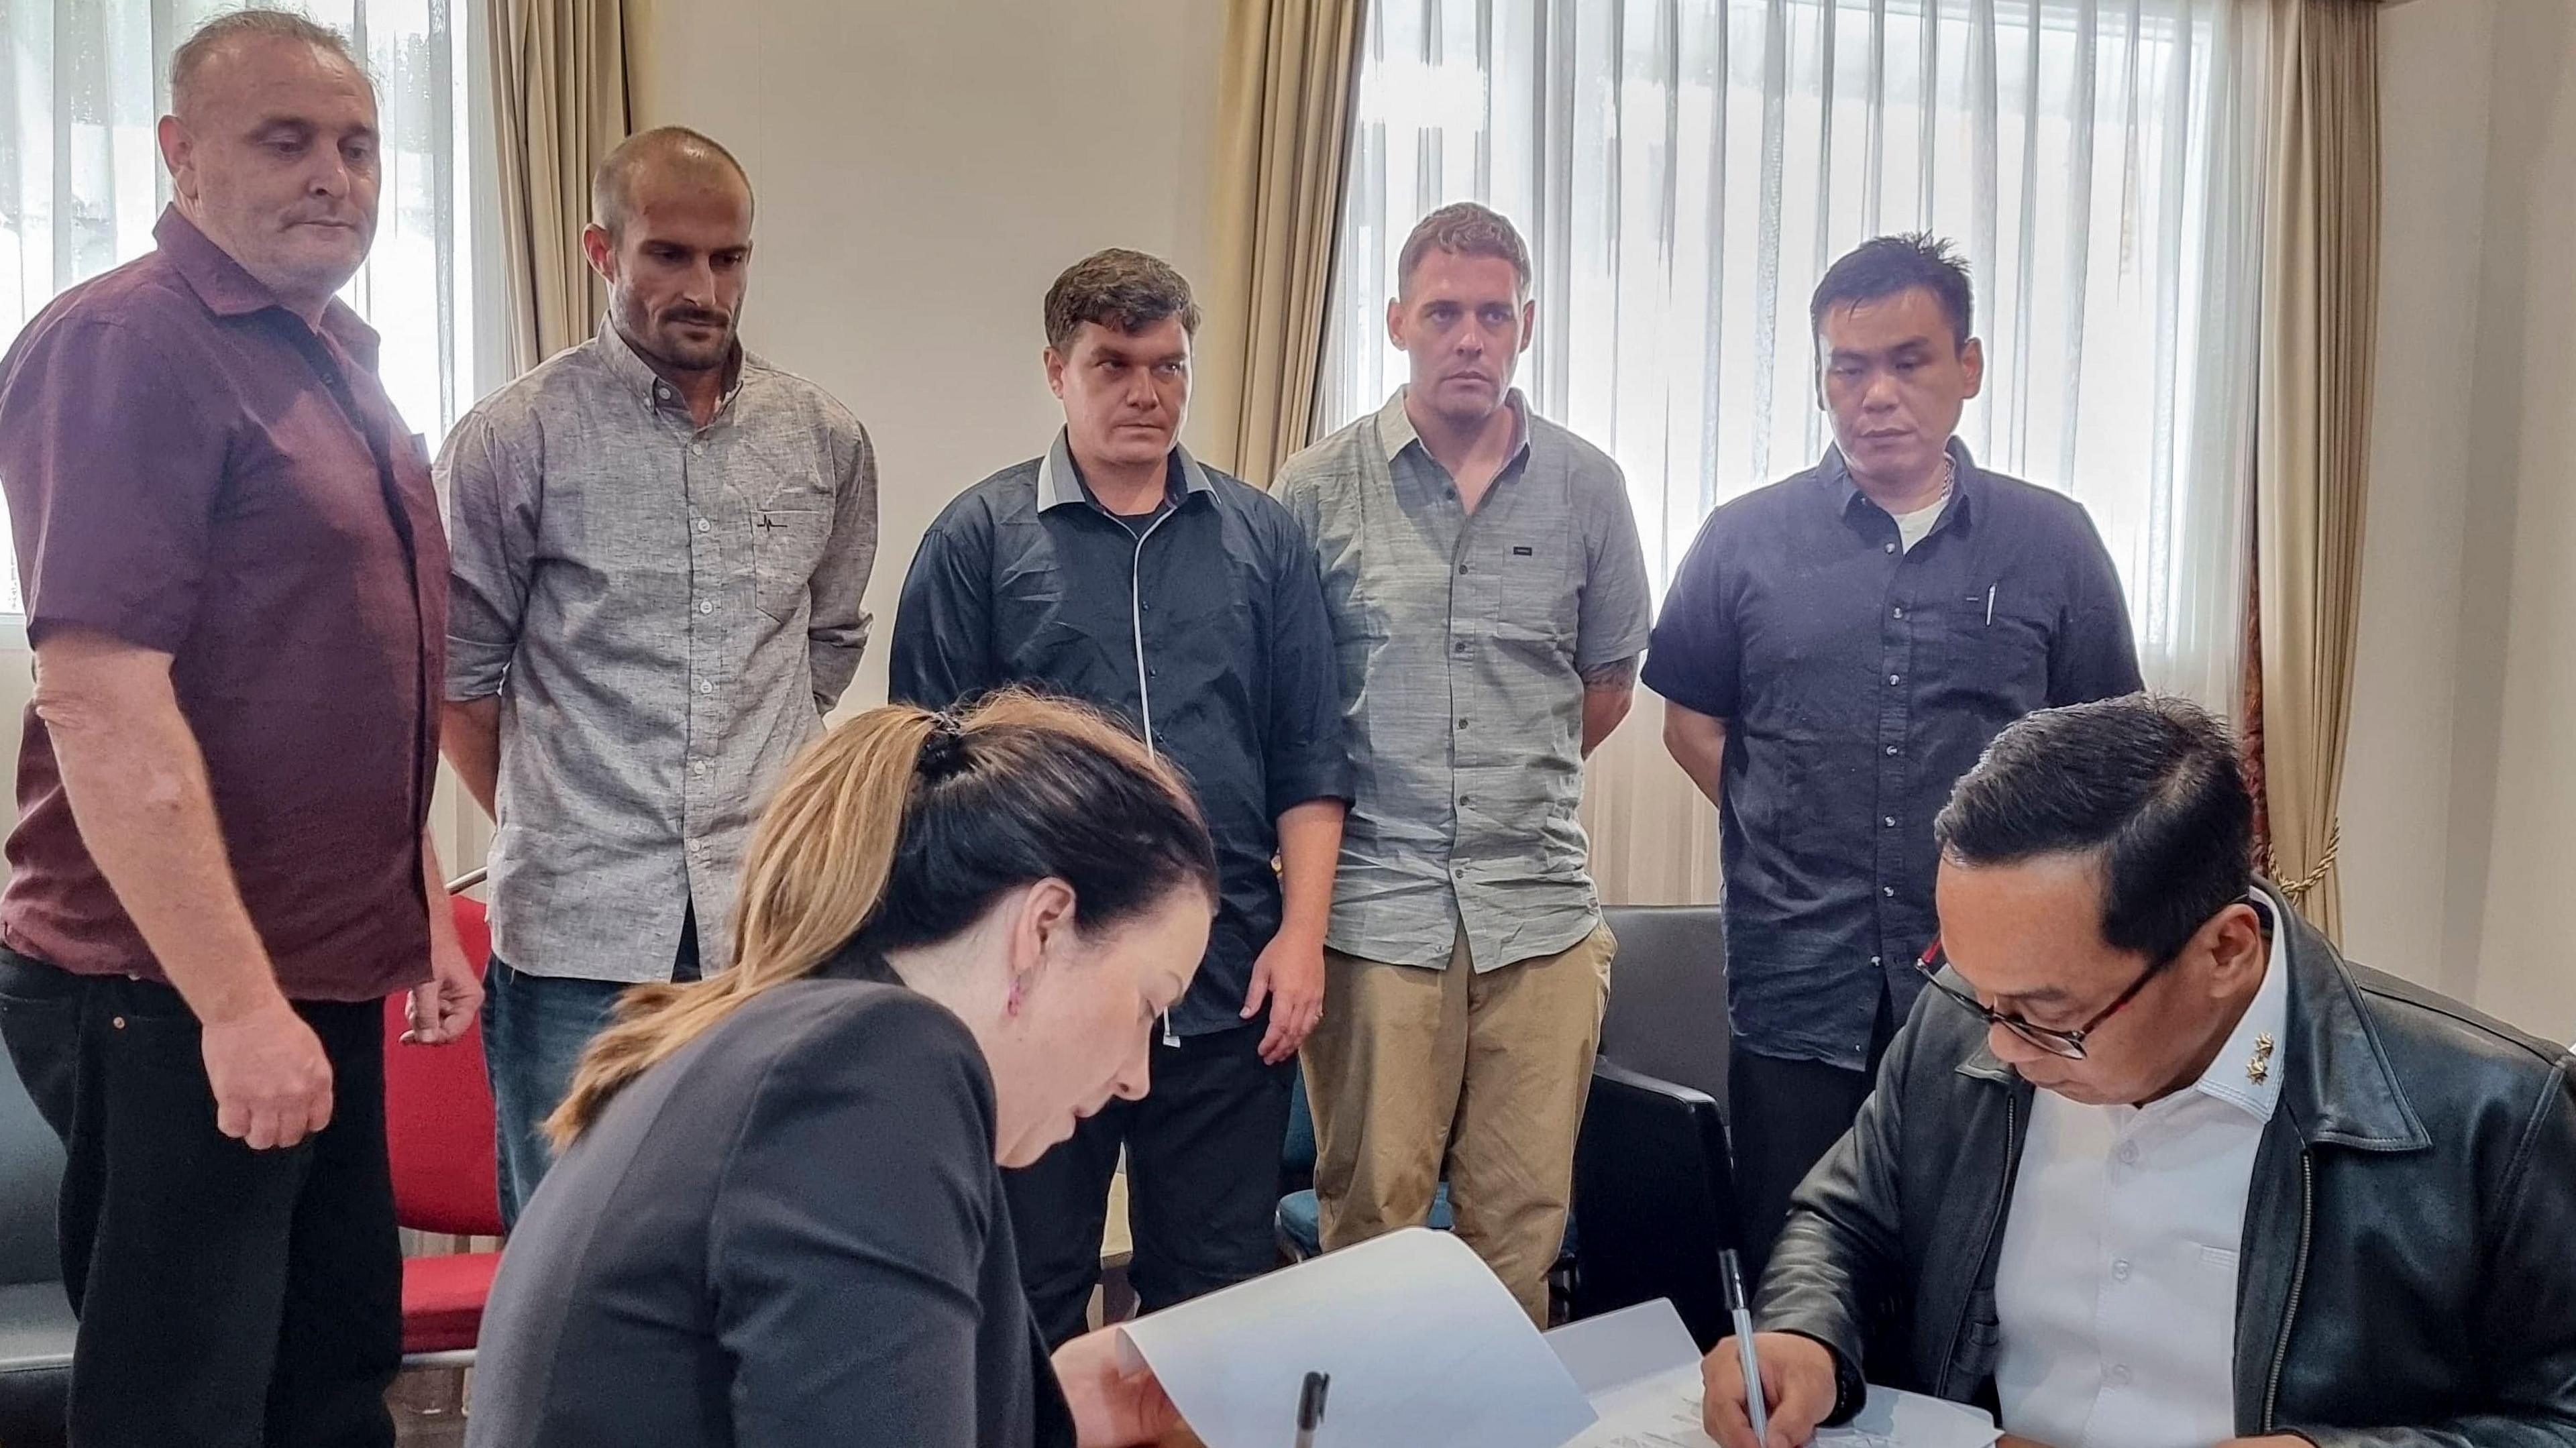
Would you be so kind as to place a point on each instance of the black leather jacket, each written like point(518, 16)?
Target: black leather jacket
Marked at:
point(2408, 1271)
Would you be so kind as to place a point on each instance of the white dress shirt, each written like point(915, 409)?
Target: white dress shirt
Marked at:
point(2117, 1281)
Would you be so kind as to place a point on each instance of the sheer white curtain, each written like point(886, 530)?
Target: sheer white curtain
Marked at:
point(82, 83)
point(1685, 170)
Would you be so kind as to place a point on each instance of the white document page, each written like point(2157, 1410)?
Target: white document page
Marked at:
point(1425, 1349)
point(1641, 1370)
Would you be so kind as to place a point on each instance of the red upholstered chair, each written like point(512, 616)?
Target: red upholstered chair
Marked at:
point(438, 1127)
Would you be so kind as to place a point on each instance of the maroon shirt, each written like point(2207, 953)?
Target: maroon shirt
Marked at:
point(192, 468)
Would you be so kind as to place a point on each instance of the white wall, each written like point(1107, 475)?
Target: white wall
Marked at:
point(2398, 776)
point(923, 172)
point(2457, 808)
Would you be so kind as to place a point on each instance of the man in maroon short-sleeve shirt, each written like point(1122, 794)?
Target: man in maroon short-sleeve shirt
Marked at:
point(236, 591)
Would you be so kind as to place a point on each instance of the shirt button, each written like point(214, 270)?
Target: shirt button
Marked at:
point(1873, 960)
point(2120, 1375)
point(1900, 613)
point(699, 448)
point(705, 687)
point(706, 605)
point(1888, 820)
point(662, 391)
point(1887, 890)
point(704, 525)
point(697, 766)
point(1461, 646)
point(1462, 570)
point(1891, 751)
point(1462, 723)
point(2128, 1153)
point(1891, 547)
point(1894, 679)
point(2119, 1271)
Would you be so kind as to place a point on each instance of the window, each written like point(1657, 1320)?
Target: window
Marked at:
point(82, 84)
point(1684, 171)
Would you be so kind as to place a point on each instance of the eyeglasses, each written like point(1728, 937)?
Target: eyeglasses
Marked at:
point(2068, 1045)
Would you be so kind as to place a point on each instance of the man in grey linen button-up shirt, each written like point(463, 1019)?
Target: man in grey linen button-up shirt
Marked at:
point(1489, 600)
point(660, 543)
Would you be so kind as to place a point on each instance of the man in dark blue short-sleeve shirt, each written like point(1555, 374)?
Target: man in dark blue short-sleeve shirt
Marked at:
point(1837, 651)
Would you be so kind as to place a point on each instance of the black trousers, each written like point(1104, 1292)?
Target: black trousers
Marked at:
point(227, 1297)
point(1202, 1183)
point(1783, 1117)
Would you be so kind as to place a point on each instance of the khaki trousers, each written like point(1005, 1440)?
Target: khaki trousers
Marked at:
point(1419, 1074)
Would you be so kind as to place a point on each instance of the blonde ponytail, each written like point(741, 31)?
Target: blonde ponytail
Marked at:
point(815, 873)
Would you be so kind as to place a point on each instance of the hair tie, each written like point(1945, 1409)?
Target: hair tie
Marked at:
point(943, 750)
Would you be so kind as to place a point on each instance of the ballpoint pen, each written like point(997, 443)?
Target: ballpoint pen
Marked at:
point(1310, 1407)
point(1736, 1308)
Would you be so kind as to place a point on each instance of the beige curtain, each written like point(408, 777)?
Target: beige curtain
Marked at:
point(2312, 427)
point(1653, 834)
point(1285, 91)
point(559, 81)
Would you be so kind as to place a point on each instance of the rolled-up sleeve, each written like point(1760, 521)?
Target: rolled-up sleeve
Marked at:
point(113, 475)
point(1694, 658)
point(1306, 757)
point(1618, 600)
point(942, 650)
point(491, 538)
point(838, 632)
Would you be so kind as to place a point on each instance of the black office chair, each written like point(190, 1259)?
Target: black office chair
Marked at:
point(1656, 1195)
point(35, 1318)
point(1667, 1014)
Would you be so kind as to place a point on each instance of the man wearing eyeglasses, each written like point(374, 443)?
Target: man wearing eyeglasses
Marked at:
point(2152, 1166)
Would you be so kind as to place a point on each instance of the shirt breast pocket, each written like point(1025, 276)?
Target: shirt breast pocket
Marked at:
point(786, 545)
point(2004, 635)
point(1534, 604)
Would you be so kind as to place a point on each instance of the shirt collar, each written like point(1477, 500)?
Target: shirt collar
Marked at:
point(229, 290)
point(1965, 488)
point(1395, 430)
point(629, 366)
point(2258, 1034)
point(1060, 481)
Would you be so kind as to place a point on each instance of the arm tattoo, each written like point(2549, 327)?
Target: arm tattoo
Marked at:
point(1617, 675)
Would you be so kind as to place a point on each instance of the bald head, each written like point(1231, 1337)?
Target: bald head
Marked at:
point(661, 161)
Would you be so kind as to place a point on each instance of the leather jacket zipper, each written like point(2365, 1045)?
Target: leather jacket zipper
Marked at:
point(1994, 1224)
point(2298, 1284)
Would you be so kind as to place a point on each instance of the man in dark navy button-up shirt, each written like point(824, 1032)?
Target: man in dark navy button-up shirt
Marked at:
point(1837, 651)
point(1118, 570)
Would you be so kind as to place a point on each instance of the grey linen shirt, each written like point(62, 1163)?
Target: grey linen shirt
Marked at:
point(665, 612)
point(1461, 642)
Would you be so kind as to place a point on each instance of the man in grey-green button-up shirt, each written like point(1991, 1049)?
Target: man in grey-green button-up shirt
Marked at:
point(1489, 601)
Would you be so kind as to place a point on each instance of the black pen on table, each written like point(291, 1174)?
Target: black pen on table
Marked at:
point(1310, 1407)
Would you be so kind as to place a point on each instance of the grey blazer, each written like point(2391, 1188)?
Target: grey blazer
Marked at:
point(790, 1233)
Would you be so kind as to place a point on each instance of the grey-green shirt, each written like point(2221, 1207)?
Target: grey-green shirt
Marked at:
point(1461, 642)
point(666, 611)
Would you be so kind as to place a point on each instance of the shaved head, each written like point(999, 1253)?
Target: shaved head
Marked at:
point(666, 157)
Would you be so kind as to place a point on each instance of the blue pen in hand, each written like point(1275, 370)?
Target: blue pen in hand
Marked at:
point(1742, 1313)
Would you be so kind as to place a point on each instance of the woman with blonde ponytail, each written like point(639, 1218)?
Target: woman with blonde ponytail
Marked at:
point(778, 1216)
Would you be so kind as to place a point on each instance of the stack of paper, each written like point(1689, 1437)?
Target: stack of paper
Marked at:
point(1426, 1349)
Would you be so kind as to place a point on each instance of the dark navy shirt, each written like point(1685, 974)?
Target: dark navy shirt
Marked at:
point(1202, 626)
point(1858, 680)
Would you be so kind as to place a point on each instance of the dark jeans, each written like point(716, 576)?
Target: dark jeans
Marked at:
point(535, 1028)
point(227, 1297)
point(1202, 1183)
point(1783, 1117)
